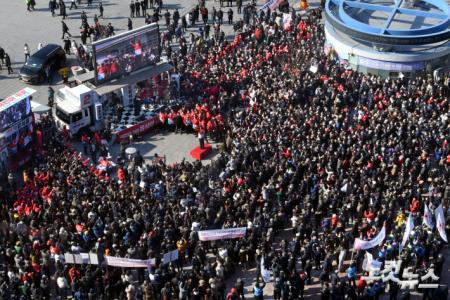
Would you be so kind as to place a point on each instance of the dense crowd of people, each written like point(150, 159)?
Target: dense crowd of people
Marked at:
point(332, 154)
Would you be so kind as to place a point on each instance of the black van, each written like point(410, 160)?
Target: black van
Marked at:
point(33, 71)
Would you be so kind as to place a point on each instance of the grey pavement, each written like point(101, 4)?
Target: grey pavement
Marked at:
point(175, 147)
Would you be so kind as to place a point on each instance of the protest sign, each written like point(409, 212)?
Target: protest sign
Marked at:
point(364, 245)
point(222, 234)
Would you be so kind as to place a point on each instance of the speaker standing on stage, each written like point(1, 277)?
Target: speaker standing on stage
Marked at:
point(201, 138)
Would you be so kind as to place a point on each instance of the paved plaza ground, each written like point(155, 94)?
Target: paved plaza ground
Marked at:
point(175, 147)
point(18, 26)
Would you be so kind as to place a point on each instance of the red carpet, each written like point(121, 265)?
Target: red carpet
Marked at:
point(200, 154)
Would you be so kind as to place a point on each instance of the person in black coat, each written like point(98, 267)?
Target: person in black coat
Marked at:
point(138, 159)
point(65, 30)
point(100, 9)
point(176, 17)
point(132, 9)
point(2, 57)
point(62, 9)
point(110, 30)
point(130, 24)
point(167, 17)
point(143, 8)
point(178, 124)
point(156, 16)
point(8, 63)
point(52, 6)
point(230, 16)
point(67, 45)
point(137, 6)
point(83, 37)
point(220, 16)
point(184, 22)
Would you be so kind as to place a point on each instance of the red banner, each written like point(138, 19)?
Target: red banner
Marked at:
point(138, 129)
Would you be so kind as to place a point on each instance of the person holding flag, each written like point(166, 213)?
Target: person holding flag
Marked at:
point(427, 217)
point(265, 273)
point(287, 19)
point(440, 222)
point(408, 229)
point(359, 244)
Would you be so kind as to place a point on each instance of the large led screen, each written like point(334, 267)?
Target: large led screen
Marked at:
point(126, 53)
point(14, 113)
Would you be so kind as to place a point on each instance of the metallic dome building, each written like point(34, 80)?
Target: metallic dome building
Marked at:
point(391, 38)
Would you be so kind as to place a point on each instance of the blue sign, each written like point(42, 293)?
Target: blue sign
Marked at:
point(389, 66)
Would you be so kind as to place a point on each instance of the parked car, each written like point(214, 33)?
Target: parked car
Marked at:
point(51, 55)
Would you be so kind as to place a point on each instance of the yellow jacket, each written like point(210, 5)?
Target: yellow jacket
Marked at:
point(400, 219)
point(181, 245)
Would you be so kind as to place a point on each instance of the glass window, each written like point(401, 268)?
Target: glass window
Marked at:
point(77, 116)
point(85, 112)
point(61, 95)
point(62, 115)
point(34, 62)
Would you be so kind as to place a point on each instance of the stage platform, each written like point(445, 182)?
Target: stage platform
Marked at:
point(200, 154)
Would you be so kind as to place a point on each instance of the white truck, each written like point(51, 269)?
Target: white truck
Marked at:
point(77, 108)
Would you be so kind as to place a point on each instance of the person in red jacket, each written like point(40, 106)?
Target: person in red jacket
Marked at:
point(258, 34)
point(74, 274)
point(369, 215)
point(334, 221)
point(121, 175)
point(414, 206)
point(232, 294)
point(163, 119)
point(98, 138)
point(361, 285)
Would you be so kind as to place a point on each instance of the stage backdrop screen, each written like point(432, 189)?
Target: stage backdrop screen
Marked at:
point(14, 112)
point(126, 53)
